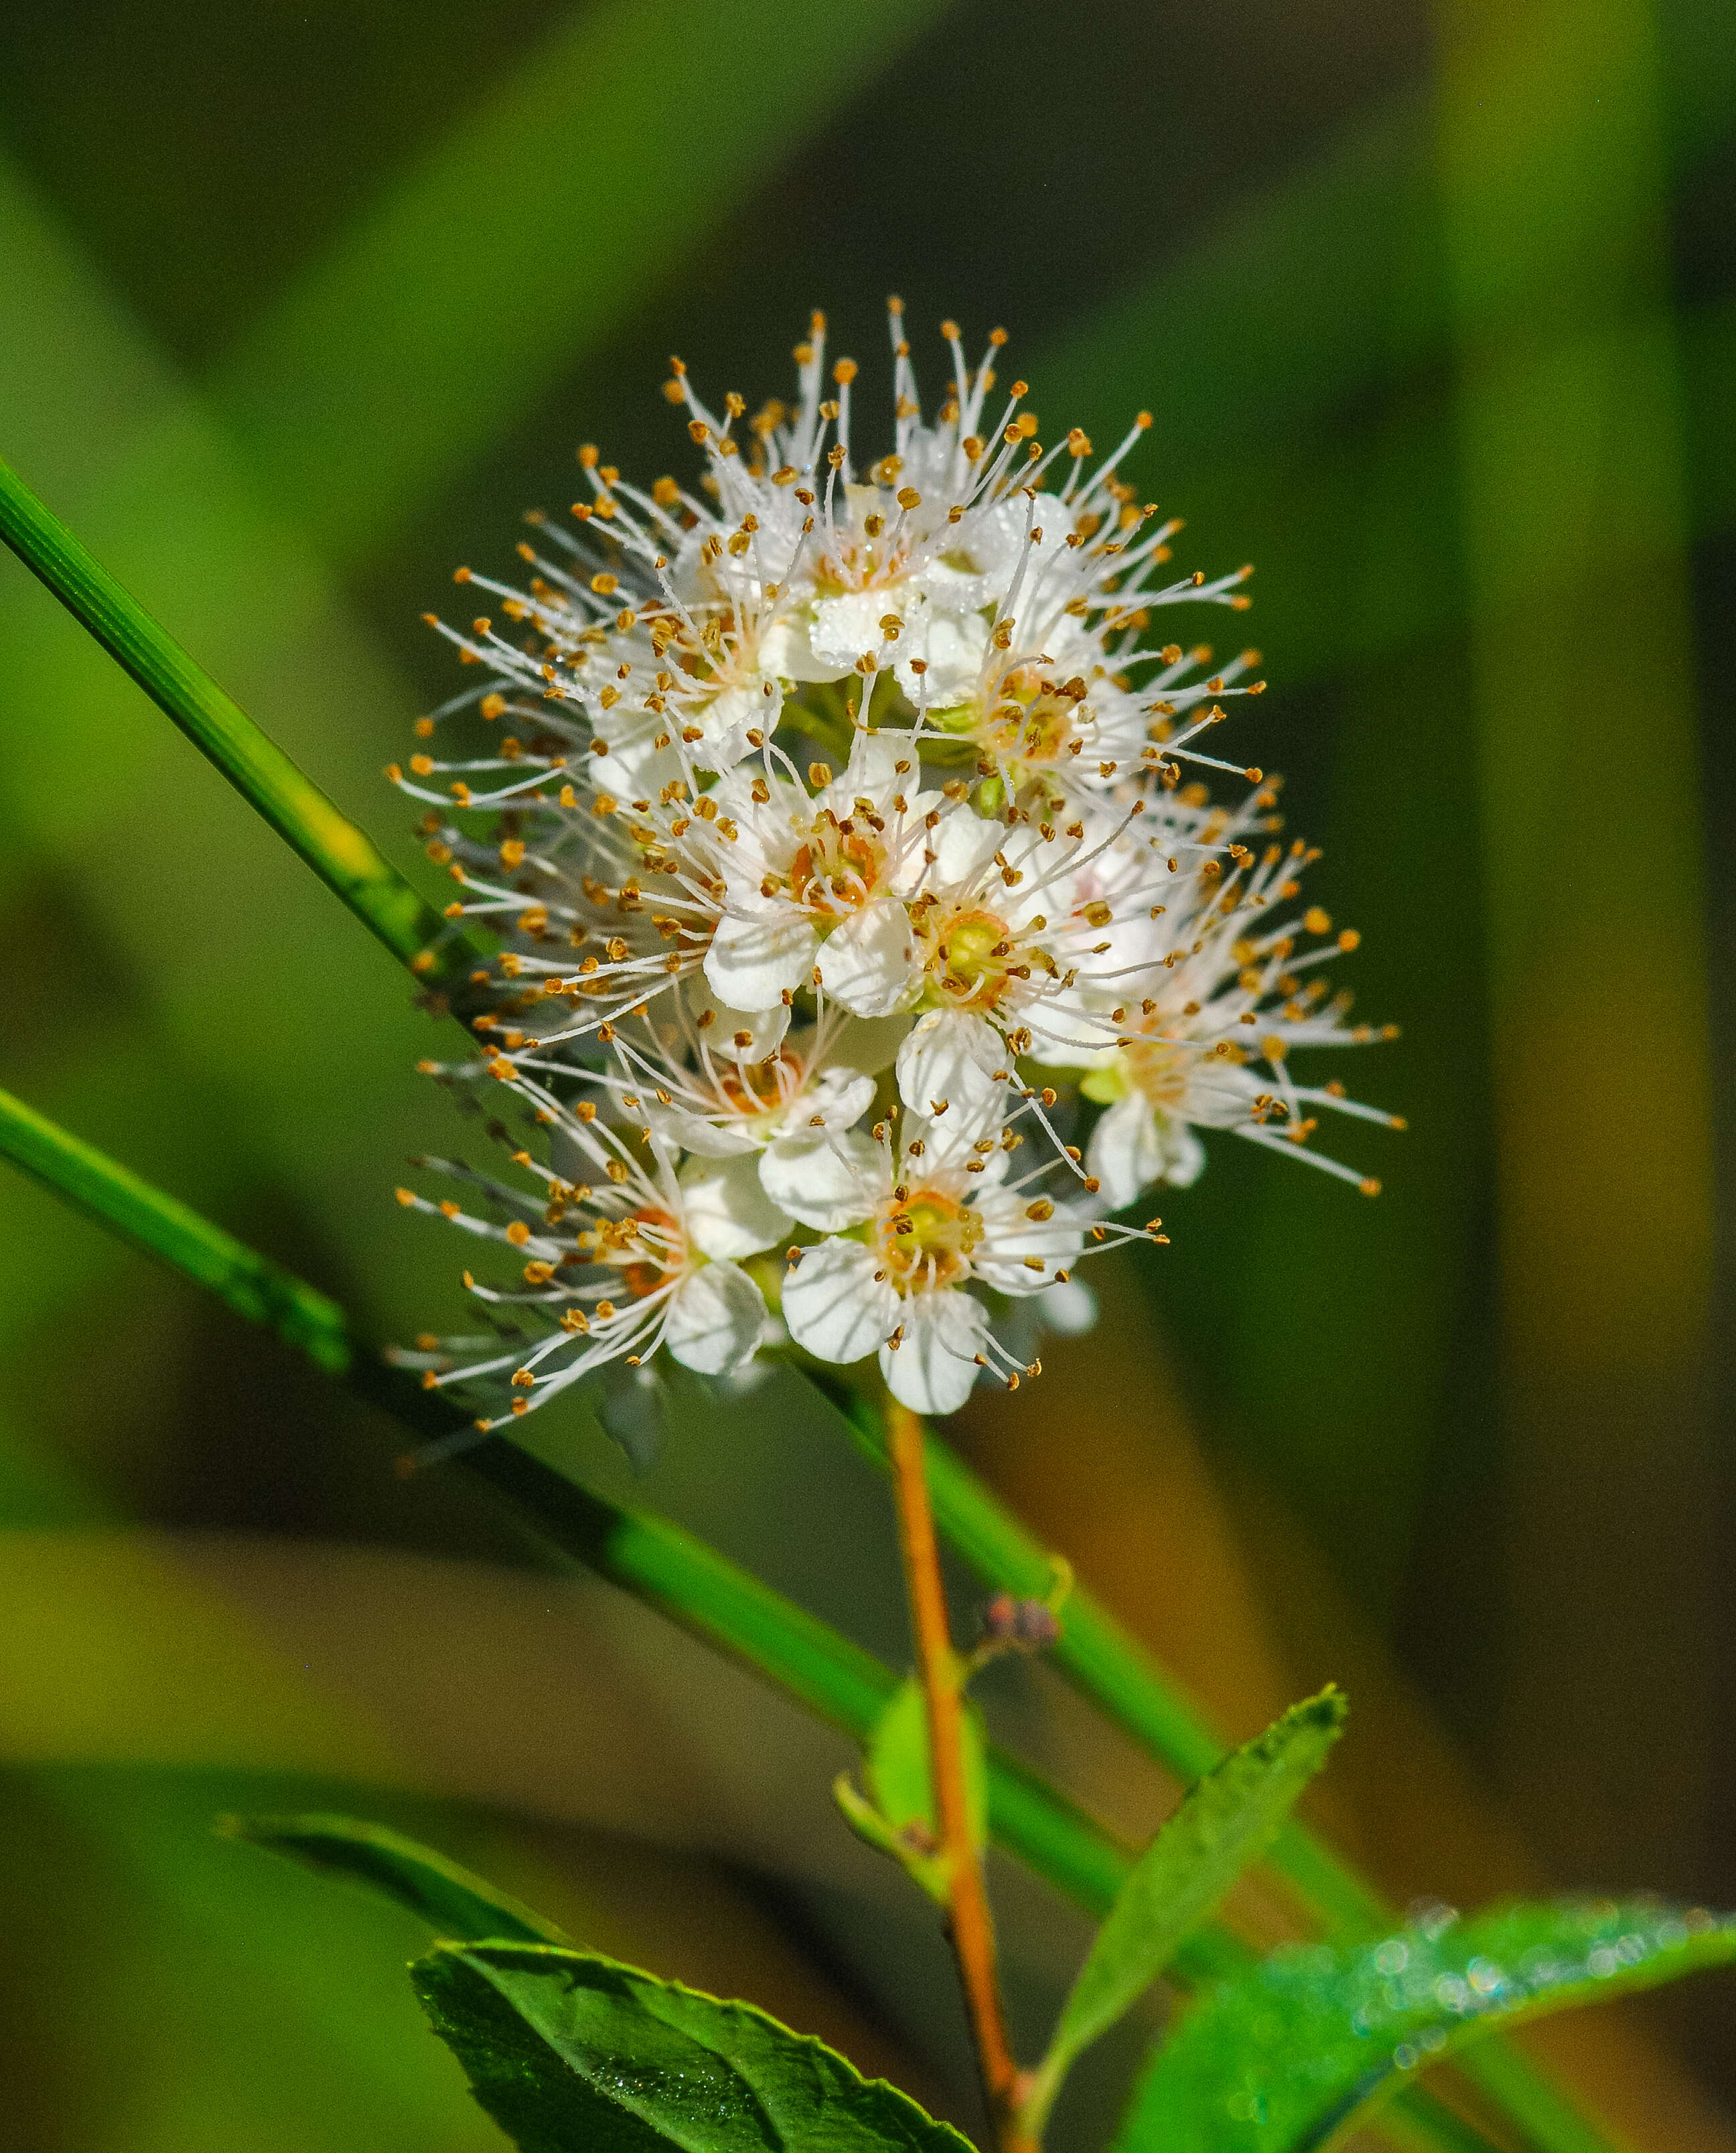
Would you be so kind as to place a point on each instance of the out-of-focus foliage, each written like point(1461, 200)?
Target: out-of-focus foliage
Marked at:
point(451, 1900)
point(1434, 308)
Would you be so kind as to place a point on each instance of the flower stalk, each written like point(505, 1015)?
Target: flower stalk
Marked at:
point(941, 1674)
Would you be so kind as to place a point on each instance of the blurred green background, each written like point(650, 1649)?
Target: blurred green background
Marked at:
point(1436, 309)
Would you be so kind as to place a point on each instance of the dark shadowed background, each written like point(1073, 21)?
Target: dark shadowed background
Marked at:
point(1436, 310)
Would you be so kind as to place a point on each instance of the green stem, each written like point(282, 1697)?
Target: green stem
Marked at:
point(1095, 1654)
point(341, 854)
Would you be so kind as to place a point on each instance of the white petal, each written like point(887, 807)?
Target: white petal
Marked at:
point(953, 1057)
point(727, 719)
point(1218, 1096)
point(868, 963)
point(685, 1132)
point(1187, 1157)
point(873, 768)
point(1124, 1154)
point(785, 651)
point(714, 1319)
point(1011, 1237)
point(833, 1305)
point(1133, 1145)
point(634, 764)
point(848, 627)
point(728, 1212)
point(1068, 1308)
point(721, 1024)
point(933, 1370)
point(754, 958)
point(952, 645)
point(827, 1182)
point(964, 845)
point(837, 1100)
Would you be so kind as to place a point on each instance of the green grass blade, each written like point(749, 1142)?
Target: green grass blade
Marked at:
point(250, 1284)
point(450, 1899)
point(1105, 1663)
point(1099, 1657)
point(649, 1556)
point(337, 851)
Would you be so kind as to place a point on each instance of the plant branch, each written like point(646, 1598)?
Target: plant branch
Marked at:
point(940, 1673)
point(1094, 1652)
point(1104, 1663)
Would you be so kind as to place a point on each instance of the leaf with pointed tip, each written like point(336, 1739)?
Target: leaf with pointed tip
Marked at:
point(1227, 1820)
point(450, 1899)
point(898, 1764)
point(571, 2053)
point(1277, 2060)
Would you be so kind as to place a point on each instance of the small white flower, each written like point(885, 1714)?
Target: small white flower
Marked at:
point(932, 1218)
point(638, 1259)
point(1209, 1023)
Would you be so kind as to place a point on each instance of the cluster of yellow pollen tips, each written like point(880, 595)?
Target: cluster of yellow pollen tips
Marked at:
point(925, 1239)
point(668, 789)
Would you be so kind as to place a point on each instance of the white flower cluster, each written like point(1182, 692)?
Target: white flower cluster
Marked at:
point(856, 898)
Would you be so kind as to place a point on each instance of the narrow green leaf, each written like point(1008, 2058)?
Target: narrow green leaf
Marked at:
point(450, 1899)
point(1227, 1821)
point(249, 1283)
point(897, 1765)
point(570, 2052)
point(1276, 2061)
point(337, 850)
point(1106, 1663)
point(926, 1871)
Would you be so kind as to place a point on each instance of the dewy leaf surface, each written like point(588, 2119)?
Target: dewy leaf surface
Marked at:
point(1278, 2059)
point(898, 1764)
point(571, 2053)
point(450, 1899)
point(1226, 1821)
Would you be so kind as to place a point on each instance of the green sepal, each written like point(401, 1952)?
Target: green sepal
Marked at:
point(450, 1899)
point(1281, 2059)
point(571, 2053)
point(926, 1871)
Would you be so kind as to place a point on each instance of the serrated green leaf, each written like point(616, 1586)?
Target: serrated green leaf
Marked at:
point(450, 1899)
point(896, 1764)
point(1227, 1820)
point(1277, 2060)
point(571, 2053)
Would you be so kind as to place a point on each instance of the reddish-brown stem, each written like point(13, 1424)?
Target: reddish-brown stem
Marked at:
point(940, 1673)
